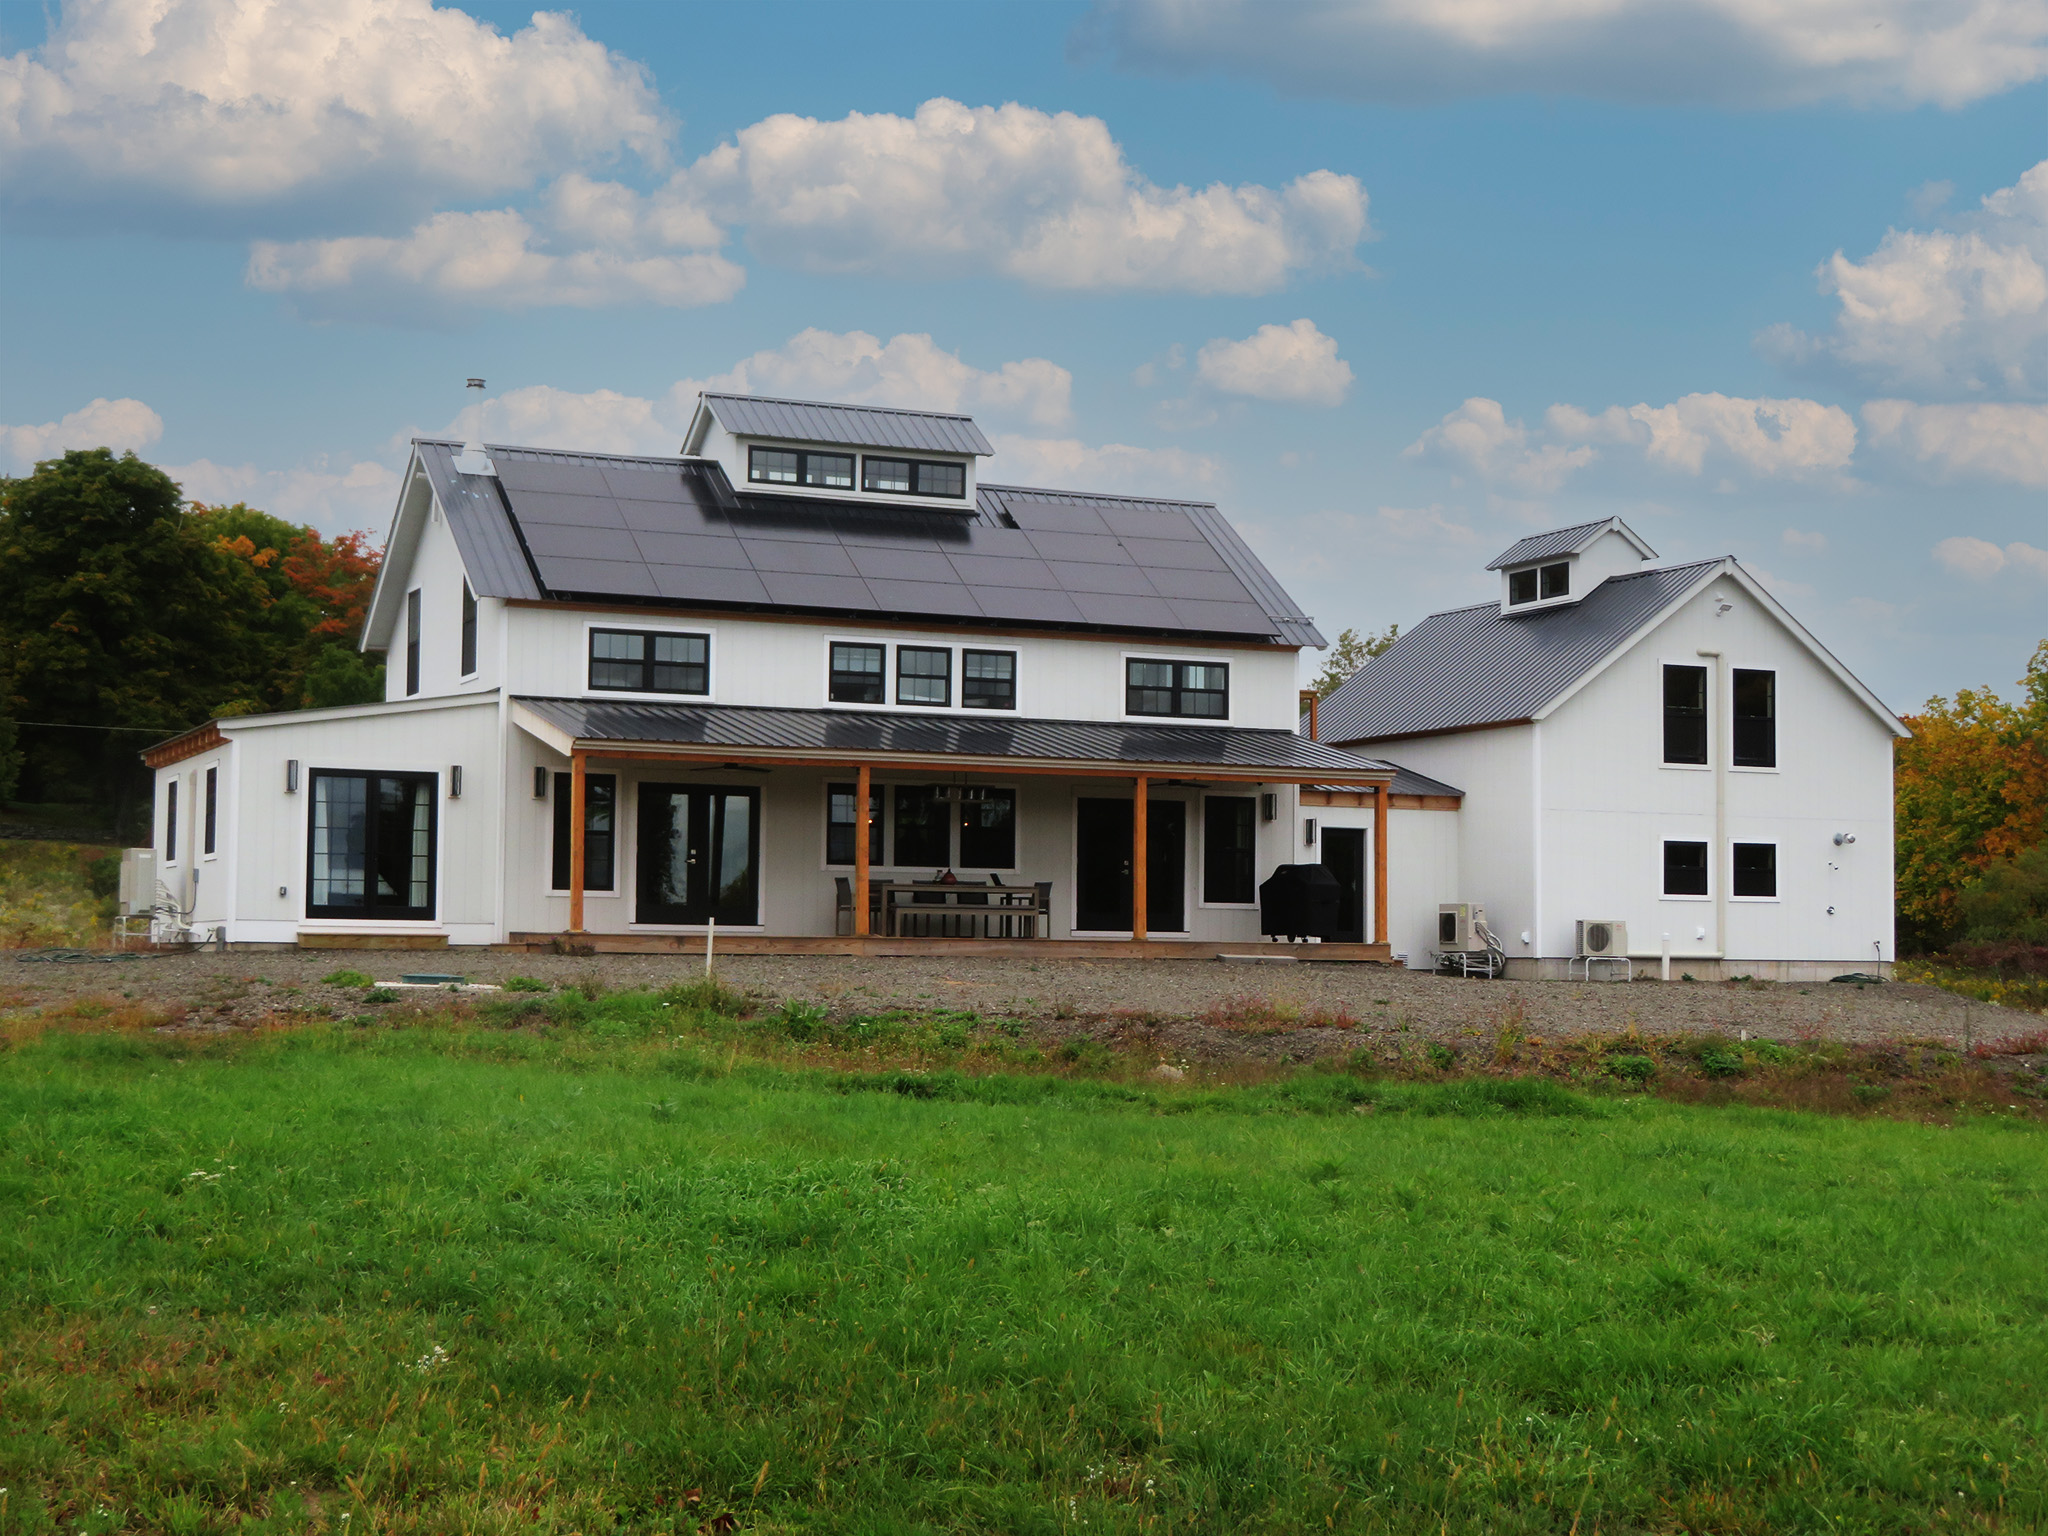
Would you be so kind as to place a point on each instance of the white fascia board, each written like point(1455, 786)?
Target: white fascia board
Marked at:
point(1729, 566)
point(234, 723)
point(699, 428)
point(549, 735)
point(380, 616)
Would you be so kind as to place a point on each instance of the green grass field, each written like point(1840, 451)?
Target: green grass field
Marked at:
point(628, 1277)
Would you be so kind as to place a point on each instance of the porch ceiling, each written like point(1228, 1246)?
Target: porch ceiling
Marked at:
point(847, 737)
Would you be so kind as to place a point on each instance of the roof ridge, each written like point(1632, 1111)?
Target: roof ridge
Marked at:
point(834, 405)
point(1047, 490)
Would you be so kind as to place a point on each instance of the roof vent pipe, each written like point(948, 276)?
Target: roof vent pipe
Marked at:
point(473, 460)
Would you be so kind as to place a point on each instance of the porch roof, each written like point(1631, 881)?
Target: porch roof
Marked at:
point(844, 737)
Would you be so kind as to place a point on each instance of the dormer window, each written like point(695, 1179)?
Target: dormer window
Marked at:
point(1539, 583)
point(912, 477)
point(790, 466)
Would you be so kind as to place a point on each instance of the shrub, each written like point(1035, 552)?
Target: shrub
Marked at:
point(708, 994)
point(526, 984)
point(346, 978)
point(801, 1020)
point(2009, 902)
point(1441, 1056)
point(103, 875)
point(1721, 1061)
point(380, 995)
point(1091, 1055)
point(1632, 1069)
point(1774, 1054)
point(1869, 1093)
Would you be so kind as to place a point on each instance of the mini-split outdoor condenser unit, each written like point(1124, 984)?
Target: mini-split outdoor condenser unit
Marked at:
point(138, 881)
point(1602, 938)
point(1456, 926)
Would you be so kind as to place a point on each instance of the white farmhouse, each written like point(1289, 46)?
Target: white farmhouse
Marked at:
point(812, 680)
point(1660, 752)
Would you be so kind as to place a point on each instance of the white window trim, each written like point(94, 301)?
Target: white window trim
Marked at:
point(1713, 864)
point(476, 671)
point(1123, 686)
point(1571, 565)
point(879, 867)
point(708, 631)
point(1777, 867)
point(890, 645)
point(746, 486)
point(1201, 840)
point(1189, 878)
point(219, 819)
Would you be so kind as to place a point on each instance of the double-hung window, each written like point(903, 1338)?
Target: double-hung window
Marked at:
point(1685, 869)
point(371, 845)
point(1685, 715)
point(1756, 718)
point(171, 822)
point(600, 838)
point(1755, 873)
point(912, 477)
point(842, 823)
point(988, 679)
point(650, 661)
point(857, 673)
point(924, 675)
point(212, 823)
point(791, 466)
point(1190, 689)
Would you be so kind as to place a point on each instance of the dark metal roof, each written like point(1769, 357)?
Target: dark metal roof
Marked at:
point(1406, 782)
point(736, 727)
point(1566, 541)
point(856, 426)
point(1478, 666)
point(665, 530)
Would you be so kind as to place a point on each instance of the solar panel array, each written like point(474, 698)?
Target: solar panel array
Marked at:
point(675, 531)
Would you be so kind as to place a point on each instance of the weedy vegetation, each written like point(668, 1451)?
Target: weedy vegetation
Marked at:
point(595, 1261)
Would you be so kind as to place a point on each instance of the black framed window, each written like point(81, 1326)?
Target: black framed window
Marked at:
point(412, 642)
point(1685, 714)
point(1193, 689)
point(791, 466)
point(650, 661)
point(1756, 870)
point(1540, 582)
point(988, 679)
point(1228, 842)
point(468, 629)
point(924, 674)
point(212, 823)
point(600, 831)
point(912, 477)
point(1756, 719)
point(924, 834)
point(1685, 869)
point(857, 673)
point(171, 822)
point(370, 845)
point(842, 823)
point(988, 828)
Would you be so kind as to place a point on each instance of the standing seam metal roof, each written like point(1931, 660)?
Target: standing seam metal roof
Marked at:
point(1478, 666)
point(857, 426)
point(488, 540)
point(1564, 541)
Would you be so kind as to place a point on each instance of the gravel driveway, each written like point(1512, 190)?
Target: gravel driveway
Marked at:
point(1071, 996)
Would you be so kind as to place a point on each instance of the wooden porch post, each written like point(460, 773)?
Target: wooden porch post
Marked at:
point(1379, 864)
point(576, 820)
point(860, 853)
point(1139, 829)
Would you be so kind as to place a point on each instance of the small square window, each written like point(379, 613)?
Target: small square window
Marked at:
point(924, 675)
point(856, 674)
point(833, 471)
point(1685, 869)
point(1556, 579)
point(1756, 870)
point(892, 475)
point(988, 679)
point(1521, 587)
point(774, 466)
point(941, 480)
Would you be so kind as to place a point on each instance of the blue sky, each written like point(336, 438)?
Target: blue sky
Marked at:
point(1393, 285)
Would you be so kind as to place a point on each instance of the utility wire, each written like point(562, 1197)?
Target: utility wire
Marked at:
point(62, 725)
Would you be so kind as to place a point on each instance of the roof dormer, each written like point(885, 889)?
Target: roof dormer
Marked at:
point(856, 453)
point(1558, 568)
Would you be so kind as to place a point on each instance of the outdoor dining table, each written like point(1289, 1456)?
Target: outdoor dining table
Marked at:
point(958, 904)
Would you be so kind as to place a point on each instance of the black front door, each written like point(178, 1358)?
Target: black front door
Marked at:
point(1102, 866)
point(1344, 857)
point(700, 854)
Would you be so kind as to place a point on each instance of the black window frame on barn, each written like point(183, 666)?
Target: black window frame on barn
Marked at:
point(600, 833)
point(379, 843)
point(1753, 714)
point(1689, 874)
point(211, 825)
point(1753, 871)
point(1230, 845)
point(412, 642)
point(850, 685)
point(930, 478)
point(654, 671)
point(1685, 715)
point(809, 468)
point(988, 690)
point(1168, 698)
point(171, 821)
point(468, 629)
point(1539, 583)
point(925, 679)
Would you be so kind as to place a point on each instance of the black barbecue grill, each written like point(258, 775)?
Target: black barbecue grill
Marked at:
point(1299, 901)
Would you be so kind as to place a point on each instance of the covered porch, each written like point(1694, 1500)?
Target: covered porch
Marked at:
point(838, 831)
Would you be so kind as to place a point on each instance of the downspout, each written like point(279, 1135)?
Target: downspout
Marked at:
point(1720, 742)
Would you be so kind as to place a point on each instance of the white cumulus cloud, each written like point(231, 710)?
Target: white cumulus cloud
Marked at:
point(1947, 311)
point(1724, 52)
point(1479, 438)
point(1424, 525)
point(145, 105)
point(1069, 464)
point(1295, 363)
point(1980, 559)
point(333, 496)
point(121, 425)
point(1993, 442)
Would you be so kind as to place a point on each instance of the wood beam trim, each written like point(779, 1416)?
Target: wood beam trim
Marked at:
point(1140, 884)
point(578, 775)
point(1379, 864)
point(860, 852)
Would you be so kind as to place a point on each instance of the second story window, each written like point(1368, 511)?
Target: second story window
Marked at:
point(1191, 689)
point(988, 679)
point(648, 661)
point(856, 674)
point(468, 630)
point(1685, 714)
point(924, 675)
point(790, 466)
point(1756, 719)
point(1540, 582)
point(412, 642)
point(913, 477)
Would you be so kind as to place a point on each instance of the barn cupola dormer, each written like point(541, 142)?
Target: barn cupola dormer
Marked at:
point(1558, 568)
point(861, 454)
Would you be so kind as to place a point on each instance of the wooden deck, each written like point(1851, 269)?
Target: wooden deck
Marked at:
point(1008, 949)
